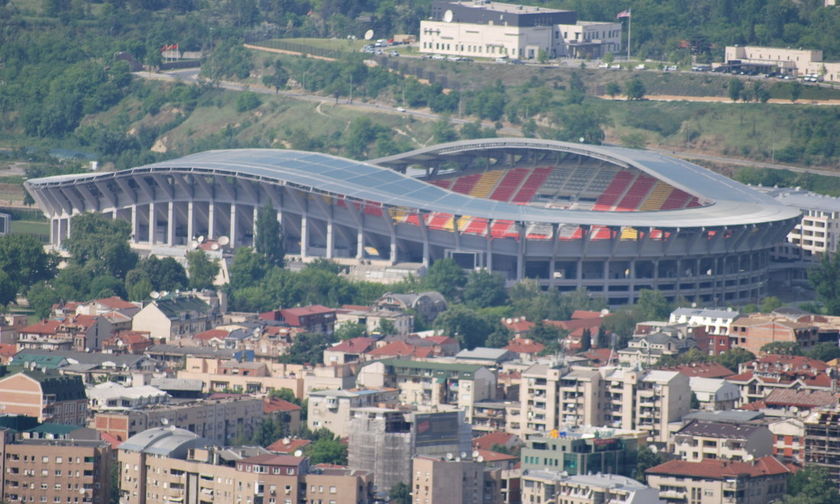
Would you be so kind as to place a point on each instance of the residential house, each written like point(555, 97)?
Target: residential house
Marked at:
point(555, 486)
point(701, 439)
point(176, 316)
point(714, 394)
point(49, 397)
point(758, 378)
point(426, 305)
point(348, 351)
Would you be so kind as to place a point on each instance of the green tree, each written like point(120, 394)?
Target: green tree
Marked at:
point(586, 340)
point(577, 89)
point(446, 277)
point(645, 459)
point(613, 89)
point(795, 90)
point(634, 89)
point(327, 451)
point(825, 351)
point(652, 305)
point(825, 278)
point(782, 348)
point(23, 260)
point(465, 325)
point(811, 485)
point(101, 243)
point(269, 240)
point(248, 268)
point(735, 89)
point(769, 304)
point(484, 289)
point(307, 348)
point(386, 327)
point(41, 298)
point(165, 274)
point(247, 100)
point(278, 79)
point(732, 359)
point(8, 289)
point(201, 269)
point(350, 330)
point(442, 131)
point(498, 338)
point(400, 494)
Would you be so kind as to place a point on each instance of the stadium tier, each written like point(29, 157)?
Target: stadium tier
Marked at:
point(609, 219)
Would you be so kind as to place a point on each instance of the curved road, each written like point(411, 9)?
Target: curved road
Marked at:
point(190, 76)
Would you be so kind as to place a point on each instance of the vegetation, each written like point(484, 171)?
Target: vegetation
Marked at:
point(825, 351)
point(729, 359)
point(825, 278)
point(811, 485)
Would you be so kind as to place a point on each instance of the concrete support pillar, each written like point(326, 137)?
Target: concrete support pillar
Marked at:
point(211, 221)
point(170, 224)
point(393, 251)
point(69, 218)
point(256, 214)
point(304, 233)
point(134, 225)
point(114, 214)
point(360, 243)
point(330, 238)
point(152, 222)
point(190, 228)
point(520, 255)
point(233, 226)
point(489, 242)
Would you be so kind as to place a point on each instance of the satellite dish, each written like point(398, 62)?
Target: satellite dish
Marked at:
point(193, 244)
point(463, 455)
point(369, 35)
point(479, 459)
point(164, 421)
point(154, 294)
point(224, 240)
point(475, 453)
point(200, 239)
point(449, 456)
point(448, 16)
point(214, 246)
point(298, 453)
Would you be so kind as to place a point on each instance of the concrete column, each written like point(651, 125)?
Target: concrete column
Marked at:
point(152, 222)
point(190, 229)
point(393, 253)
point(134, 223)
point(256, 214)
point(170, 224)
point(304, 233)
point(360, 243)
point(211, 221)
point(114, 214)
point(520, 255)
point(69, 218)
point(330, 238)
point(233, 224)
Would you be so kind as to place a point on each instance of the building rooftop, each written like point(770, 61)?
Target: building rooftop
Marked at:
point(721, 430)
point(731, 416)
point(432, 365)
point(165, 441)
point(484, 354)
point(720, 469)
point(715, 313)
point(505, 7)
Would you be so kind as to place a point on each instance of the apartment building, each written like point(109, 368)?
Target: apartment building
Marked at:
point(74, 332)
point(700, 440)
point(710, 481)
point(816, 234)
point(311, 319)
point(585, 450)
point(109, 396)
point(55, 470)
point(167, 465)
point(753, 331)
point(384, 441)
point(176, 316)
point(371, 319)
point(554, 486)
point(759, 378)
point(555, 394)
point(441, 481)
point(645, 400)
point(788, 440)
point(332, 409)
point(432, 383)
point(822, 430)
point(714, 394)
point(217, 419)
point(714, 321)
point(49, 397)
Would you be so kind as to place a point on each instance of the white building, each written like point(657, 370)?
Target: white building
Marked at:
point(799, 62)
point(715, 321)
point(499, 30)
point(110, 396)
point(714, 394)
point(817, 232)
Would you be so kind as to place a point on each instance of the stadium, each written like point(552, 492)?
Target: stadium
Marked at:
point(610, 219)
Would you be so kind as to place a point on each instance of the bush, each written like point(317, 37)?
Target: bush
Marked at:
point(247, 101)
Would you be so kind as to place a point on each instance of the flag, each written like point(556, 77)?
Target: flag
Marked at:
point(623, 14)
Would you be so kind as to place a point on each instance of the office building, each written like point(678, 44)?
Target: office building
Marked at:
point(587, 450)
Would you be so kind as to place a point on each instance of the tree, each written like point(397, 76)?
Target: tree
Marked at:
point(732, 359)
point(586, 340)
point(645, 459)
point(634, 89)
point(825, 278)
point(825, 351)
point(498, 338)
point(613, 89)
point(386, 327)
point(463, 324)
point(769, 304)
point(484, 289)
point(759, 93)
point(307, 348)
point(8, 289)
point(400, 494)
point(735, 88)
point(23, 260)
point(577, 89)
point(442, 131)
point(201, 269)
point(102, 243)
point(269, 240)
point(782, 348)
point(811, 485)
point(446, 277)
point(247, 100)
point(278, 79)
point(350, 330)
point(327, 450)
point(247, 269)
point(42, 297)
point(795, 90)
point(652, 305)
point(165, 274)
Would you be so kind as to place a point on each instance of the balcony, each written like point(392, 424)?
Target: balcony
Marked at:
point(672, 494)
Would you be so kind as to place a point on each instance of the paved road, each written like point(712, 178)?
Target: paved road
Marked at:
point(190, 76)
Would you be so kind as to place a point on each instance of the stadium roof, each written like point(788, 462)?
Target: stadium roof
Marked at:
point(729, 202)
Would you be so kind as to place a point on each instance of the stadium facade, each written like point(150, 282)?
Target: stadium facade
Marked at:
point(613, 220)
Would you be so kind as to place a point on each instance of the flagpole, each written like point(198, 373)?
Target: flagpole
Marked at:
point(629, 30)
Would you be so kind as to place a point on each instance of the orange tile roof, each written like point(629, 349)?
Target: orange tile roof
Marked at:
point(288, 446)
point(585, 314)
point(353, 345)
point(702, 370)
point(487, 441)
point(524, 345)
point(116, 303)
point(720, 469)
point(7, 350)
point(42, 327)
point(491, 456)
point(212, 333)
point(277, 404)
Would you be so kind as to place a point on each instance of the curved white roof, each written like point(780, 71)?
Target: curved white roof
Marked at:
point(167, 441)
point(730, 203)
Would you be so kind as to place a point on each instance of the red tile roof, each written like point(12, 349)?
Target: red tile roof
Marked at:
point(288, 446)
point(487, 441)
point(599, 356)
point(800, 398)
point(276, 404)
point(441, 340)
point(525, 346)
point(354, 307)
point(7, 350)
point(212, 333)
point(305, 310)
point(42, 327)
point(116, 303)
point(720, 469)
point(585, 314)
point(518, 324)
point(491, 456)
point(111, 439)
point(401, 349)
point(353, 345)
point(702, 370)
point(133, 337)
